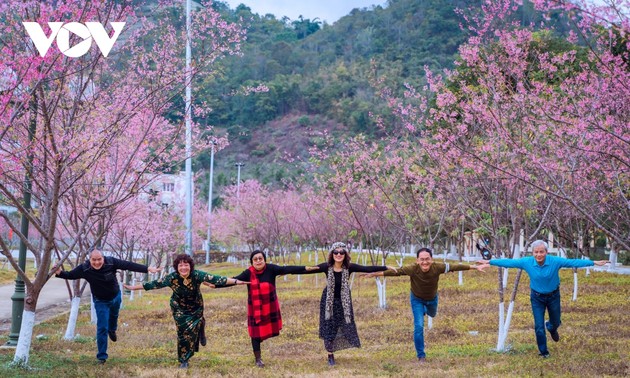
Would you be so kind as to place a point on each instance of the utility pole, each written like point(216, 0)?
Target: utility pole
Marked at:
point(189, 199)
point(210, 201)
point(238, 179)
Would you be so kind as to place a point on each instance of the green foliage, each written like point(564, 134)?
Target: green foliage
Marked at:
point(325, 72)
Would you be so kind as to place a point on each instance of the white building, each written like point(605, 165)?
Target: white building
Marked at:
point(167, 189)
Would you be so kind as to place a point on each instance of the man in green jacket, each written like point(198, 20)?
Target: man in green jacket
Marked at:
point(424, 275)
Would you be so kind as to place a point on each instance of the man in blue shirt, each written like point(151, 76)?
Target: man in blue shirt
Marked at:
point(545, 288)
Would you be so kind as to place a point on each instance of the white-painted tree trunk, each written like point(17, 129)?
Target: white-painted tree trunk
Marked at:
point(505, 277)
point(316, 263)
point(121, 288)
point(429, 322)
point(517, 252)
point(351, 281)
point(72, 319)
point(461, 278)
point(24, 343)
point(92, 310)
point(505, 328)
point(501, 324)
point(133, 283)
point(575, 285)
point(381, 285)
point(612, 259)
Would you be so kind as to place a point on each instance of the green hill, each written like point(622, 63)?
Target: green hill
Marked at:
point(320, 78)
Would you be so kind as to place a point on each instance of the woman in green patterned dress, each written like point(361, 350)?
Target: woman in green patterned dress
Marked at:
point(186, 302)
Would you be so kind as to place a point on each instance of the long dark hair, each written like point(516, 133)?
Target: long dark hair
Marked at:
point(346, 258)
point(183, 258)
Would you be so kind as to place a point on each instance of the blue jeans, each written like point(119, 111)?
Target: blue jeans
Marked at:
point(540, 303)
point(106, 320)
point(419, 308)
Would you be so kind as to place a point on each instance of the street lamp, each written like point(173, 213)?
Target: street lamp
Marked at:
point(17, 305)
point(189, 199)
point(238, 179)
point(210, 200)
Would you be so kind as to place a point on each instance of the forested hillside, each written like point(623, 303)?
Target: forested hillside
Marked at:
point(321, 80)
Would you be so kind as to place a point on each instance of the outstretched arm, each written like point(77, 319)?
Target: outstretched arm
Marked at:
point(133, 287)
point(373, 274)
point(601, 262)
point(74, 274)
point(321, 268)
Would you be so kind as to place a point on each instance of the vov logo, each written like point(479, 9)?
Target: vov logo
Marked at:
point(61, 31)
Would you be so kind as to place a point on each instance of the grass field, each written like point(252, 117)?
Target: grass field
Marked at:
point(8, 275)
point(595, 334)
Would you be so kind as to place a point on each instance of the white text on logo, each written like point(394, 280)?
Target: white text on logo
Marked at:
point(61, 31)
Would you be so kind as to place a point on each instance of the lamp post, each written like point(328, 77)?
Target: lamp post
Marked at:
point(17, 308)
point(210, 201)
point(188, 214)
point(238, 179)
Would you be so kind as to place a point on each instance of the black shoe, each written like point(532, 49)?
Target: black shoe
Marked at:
point(260, 363)
point(555, 336)
point(331, 360)
point(112, 336)
point(183, 365)
point(202, 340)
point(421, 360)
point(546, 355)
point(102, 362)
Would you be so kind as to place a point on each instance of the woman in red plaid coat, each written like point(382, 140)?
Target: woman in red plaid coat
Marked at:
point(263, 310)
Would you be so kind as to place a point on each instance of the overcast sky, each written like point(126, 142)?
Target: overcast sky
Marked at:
point(326, 10)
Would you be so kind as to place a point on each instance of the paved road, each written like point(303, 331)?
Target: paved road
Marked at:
point(53, 300)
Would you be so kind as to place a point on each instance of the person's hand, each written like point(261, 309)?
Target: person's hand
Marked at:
point(209, 284)
point(56, 270)
point(480, 267)
point(395, 269)
point(310, 268)
point(601, 262)
point(153, 269)
point(129, 287)
point(367, 275)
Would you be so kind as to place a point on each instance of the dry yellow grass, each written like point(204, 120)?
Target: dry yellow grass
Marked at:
point(595, 334)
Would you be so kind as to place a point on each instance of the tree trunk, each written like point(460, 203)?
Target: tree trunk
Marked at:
point(72, 319)
point(613, 259)
point(505, 328)
point(501, 307)
point(381, 285)
point(575, 284)
point(23, 348)
point(92, 310)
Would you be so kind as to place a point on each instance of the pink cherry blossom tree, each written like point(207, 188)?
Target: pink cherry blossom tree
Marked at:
point(544, 121)
point(69, 123)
